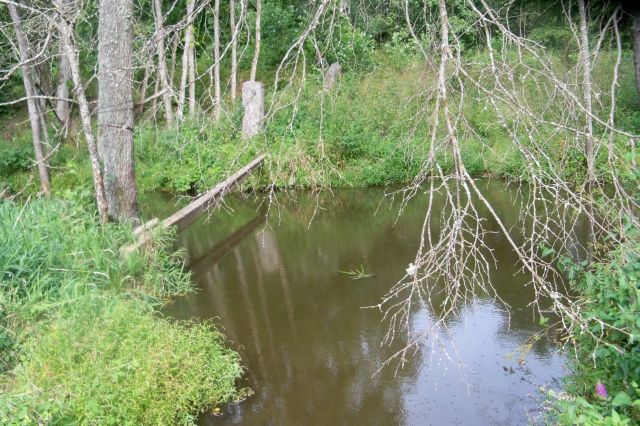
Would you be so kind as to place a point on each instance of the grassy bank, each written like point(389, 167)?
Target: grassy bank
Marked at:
point(372, 129)
point(80, 340)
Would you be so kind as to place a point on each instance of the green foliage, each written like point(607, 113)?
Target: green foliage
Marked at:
point(281, 24)
point(15, 158)
point(189, 159)
point(345, 44)
point(80, 341)
point(110, 361)
point(49, 246)
point(610, 292)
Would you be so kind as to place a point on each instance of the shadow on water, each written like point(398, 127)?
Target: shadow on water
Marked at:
point(311, 351)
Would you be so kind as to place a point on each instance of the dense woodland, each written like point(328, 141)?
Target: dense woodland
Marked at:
point(102, 101)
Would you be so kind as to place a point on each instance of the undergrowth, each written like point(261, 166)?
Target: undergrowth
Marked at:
point(80, 340)
point(604, 386)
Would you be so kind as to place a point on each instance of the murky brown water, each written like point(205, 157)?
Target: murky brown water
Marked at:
point(310, 349)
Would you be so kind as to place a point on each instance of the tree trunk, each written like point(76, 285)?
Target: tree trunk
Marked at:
point(253, 103)
point(172, 60)
point(62, 105)
point(192, 81)
point(62, 91)
point(115, 107)
point(585, 62)
point(162, 63)
point(234, 50)
point(636, 43)
point(216, 58)
point(32, 104)
point(64, 27)
point(256, 52)
point(186, 63)
point(142, 95)
point(156, 88)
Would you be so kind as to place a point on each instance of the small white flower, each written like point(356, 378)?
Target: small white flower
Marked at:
point(412, 269)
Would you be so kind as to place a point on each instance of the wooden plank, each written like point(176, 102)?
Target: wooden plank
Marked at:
point(188, 214)
point(145, 227)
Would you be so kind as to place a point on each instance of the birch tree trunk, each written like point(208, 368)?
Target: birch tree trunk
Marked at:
point(186, 63)
point(585, 62)
point(64, 75)
point(62, 91)
point(68, 47)
point(32, 105)
point(256, 52)
point(192, 81)
point(115, 107)
point(172, 60)
point(156, 88)
point(216, 58)
point(636, 43)
point(234, 50)
point(162, 63)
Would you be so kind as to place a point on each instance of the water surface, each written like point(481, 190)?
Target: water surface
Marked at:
point(311, 351)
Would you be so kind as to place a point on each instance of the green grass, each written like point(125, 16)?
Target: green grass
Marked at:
point(80, 340)
point(372, 129)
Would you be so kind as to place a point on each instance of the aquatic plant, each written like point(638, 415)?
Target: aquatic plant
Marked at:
point(357, 273)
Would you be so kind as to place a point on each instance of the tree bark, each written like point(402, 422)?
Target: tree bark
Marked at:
point(216, 57)
point(62, 91)
point(32, 105)
point(635, 13)
point(156, 88)
point(162, 63)
point(115, 107)
point(256, 52)
point(64, 27)
point(63, 107)
point(142, 95)
point(192, 81)
point(585, 62)
point(186, 63)
point(172, 60)
point(234, 50)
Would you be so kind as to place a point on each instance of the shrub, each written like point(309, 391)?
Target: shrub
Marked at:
point(610, 292)
point(15, 158)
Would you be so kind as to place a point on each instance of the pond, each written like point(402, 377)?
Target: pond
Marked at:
point(312, 352)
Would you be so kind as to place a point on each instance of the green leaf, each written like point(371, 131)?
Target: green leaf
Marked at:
point(621, 400)
point(546, 251)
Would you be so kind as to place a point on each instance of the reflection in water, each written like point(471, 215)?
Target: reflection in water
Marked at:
point(311, 351)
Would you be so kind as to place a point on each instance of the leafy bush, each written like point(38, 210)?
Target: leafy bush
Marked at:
point(610, 292)
point(347, 45)
point(15, 158)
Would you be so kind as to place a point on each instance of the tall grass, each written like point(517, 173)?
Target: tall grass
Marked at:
point(80, 341)
point(373, 128)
